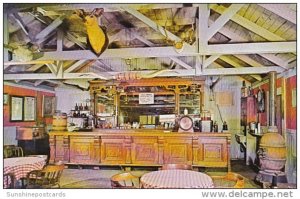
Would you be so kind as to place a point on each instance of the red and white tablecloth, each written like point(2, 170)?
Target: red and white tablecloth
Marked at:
point(20, 166)
point(168, 179)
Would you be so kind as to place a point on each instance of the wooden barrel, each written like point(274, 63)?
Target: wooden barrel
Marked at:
point(59, 123)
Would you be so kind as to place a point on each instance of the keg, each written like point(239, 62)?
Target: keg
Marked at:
point(59, 122)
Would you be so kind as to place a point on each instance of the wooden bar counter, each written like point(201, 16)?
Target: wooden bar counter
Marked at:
point(140, 147)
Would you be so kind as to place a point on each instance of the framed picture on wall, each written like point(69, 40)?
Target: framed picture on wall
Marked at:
point(5, 98)
point(48, 106)
point(16, 108)
point(29, 108)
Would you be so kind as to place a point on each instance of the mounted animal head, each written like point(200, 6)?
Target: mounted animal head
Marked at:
point(90, 19)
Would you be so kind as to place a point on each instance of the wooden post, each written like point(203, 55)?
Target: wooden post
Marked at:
point(228, 153)
point(127, 145)
point(160, 150)
point(66, 146)
point(177, 101)
point(195, 149)
point(52, 143)
point(97, 149)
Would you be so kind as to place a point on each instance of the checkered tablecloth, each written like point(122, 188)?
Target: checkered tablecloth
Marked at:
point(20, 166)
point(168, 179)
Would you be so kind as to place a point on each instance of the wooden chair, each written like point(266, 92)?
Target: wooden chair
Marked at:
point(9, 181)
point(125, 181)
point(11, 151)
point(48, 177)
point(230, 180)
point(177, 166)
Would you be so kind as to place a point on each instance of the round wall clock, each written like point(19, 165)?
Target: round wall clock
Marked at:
point(186, 123)
point(260, 101)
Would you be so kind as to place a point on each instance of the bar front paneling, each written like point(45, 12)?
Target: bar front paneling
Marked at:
point(143, 147)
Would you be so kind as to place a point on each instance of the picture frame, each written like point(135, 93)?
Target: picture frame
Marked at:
point(5, 99)
point(29, 108)
point(16, 108)
point(49, 103)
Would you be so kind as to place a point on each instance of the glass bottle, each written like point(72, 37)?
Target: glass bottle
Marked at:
point(244, 90)
point(215, 127)
point(76, 107)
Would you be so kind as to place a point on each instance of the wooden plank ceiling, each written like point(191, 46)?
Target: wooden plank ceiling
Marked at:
point(46, 43)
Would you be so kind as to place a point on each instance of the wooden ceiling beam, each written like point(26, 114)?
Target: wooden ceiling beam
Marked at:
point(75, 66)
point(26, 20)
point(52, 68)
point(107, 7)
point(35, 67)
point(50, 28)
point(242, 70)
point(51, 76)
point(249, 61)
point(38, 82)
point(282, 10)
point(117, 53)
point(153, 25)
point(175, 59)
point(167, 73)
point(252, 48)
point(210, 60)
point(202, 27)
point(253, 27)
point(237, 65)
point(237, 38)
point(223, 19)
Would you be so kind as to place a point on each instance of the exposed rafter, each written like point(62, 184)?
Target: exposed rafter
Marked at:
point(170, 73)
point(153, 25)
point(223, 19)
point(246, 48)
point(249, 25)
point(50, 76)
point(178, 61)
point(202, 23)
point(282, 10)
point(75, 66)
point(38, 82)
point(235, 37)
point(107, 7)
point(236, 65)
point(242, 71)
point(210, 60)
point(57, 22)
point(252, 48)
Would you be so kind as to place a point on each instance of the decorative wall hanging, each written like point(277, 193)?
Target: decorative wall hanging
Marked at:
point(260, 101)
point(48, 106)
point(29, 108)
point(16, 108)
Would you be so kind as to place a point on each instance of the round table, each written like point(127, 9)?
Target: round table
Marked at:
point(20, 166)
point(168, 179)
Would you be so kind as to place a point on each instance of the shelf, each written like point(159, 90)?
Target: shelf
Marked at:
point(155, 93)
point(149, 106)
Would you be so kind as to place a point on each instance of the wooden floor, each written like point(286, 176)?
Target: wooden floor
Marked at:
point(86, 177)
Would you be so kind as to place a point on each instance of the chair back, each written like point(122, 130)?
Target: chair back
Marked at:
point(125, 181)
point(13, 151)
point(176, 166)
point(9, 181)
point(49, 176)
